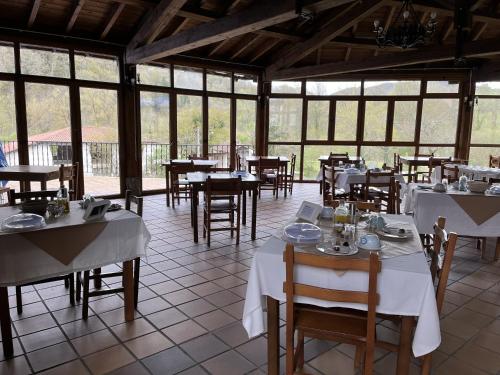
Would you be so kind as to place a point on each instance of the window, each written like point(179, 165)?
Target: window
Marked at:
point(486, 121)
point(346, 120)
point(189, 126)
point(8, 130)
point(333, 88)
point(481, 155)
point(375, 120)
point(153, 75)
point(317, 119)
point(392, 87)
point(95, 68)
point(188, 78)
point(286, 87)
point(440, 87)
point(49, 126)
point(7, 58)
point(246, 117)
point(437, 151)
point(219, 81)
point(405, 116)
point(285, 120)
point(376, 156)
point(311, 169)
point(219, 130)
point(439, 121)
point(285, 150)
point(245, 84)
point(488, 88)
point(100, 146)
point(40, 62)
point(155, 138)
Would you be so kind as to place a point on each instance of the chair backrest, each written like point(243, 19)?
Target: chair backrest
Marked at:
point(442, 256)
point(70, 173)
point(293, 159)
point(238, 162)
point(294, 289)
point(494, 161)
point(335, 159)
point(267, 164)
point(395, 197)
point(378, 179)
point(436, 161)
point(398, 166)
point(196, 157)
point(425, 155)
point(450, 171)
point(328, 177)
point(222, 186)
point(129, 199)
point(492, 180)
point(180, 168)
point(30, 195)
point(374, 206)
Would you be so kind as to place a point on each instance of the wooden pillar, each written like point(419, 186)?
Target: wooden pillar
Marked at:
point(465, 113)
point(262, 116)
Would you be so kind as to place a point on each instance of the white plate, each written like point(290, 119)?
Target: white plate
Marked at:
point(393, 234)
point(327, 248)
point(302, 233)
point(359, 246)
point(23, 222)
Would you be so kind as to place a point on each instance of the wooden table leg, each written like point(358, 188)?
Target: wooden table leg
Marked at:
point(497, 249)
point(426, 364)
point(254, 214)
point(43, 185)
point(286, 178)
point(128, 286)
point(273, 337)
point(403, 366)
point(194, 212)
point(244, 213)
point(8, 347)
point(167, 185)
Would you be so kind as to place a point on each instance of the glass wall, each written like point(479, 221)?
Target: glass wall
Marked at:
point(219, 130)
point(189, 126)
point(8, 131)
point(246, 118)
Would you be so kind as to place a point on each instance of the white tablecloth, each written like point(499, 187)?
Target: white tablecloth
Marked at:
point(405, 288)
point(472, 171)
point(125, 237)
point(344, 180)
point(428, 205)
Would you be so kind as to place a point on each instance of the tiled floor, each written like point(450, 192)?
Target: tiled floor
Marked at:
point(191, 301)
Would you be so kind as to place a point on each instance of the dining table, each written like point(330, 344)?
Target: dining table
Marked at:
point(253, 163)
point(467, 213)
point(65, 245)
point(323, 159)
point(473, 172)
point(405, 287)
point(199, 165)
point(346, 180)
point(249, 182)
point(29, 173)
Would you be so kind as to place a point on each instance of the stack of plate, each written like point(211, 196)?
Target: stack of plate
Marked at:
point(23, 222)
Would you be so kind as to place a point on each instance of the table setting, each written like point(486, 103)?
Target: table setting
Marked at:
point(474, 172)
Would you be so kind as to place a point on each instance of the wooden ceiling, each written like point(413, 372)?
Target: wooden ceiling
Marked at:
point(326, 37)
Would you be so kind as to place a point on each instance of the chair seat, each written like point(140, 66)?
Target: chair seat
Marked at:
point(221, 205)
point(341, 322)
point(181, 182)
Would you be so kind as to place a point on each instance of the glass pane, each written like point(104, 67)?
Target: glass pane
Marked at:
point(481, 155)
point(44, 62)
point(486, 121)
point(285, 150)
point(187, 78)
point(317, 119)
point(441, 87)
point(312, 153)
point(7, 64)
point(285, 120)
point(488, 88)
point(153, 75)
point(437, 151)
point(94, 68)
point(346, 120)
point(392, 87)
point(375, 120)
point(403, 127)
point(376, 156)
point(333, 88)
point(155, 138)
point(439, 121)
point(246, 117)
point(245, 84)
point(49, 126)
point(219, 81)
point(189, 126)
point(8, 132)
point(219, 130)
point(286, 87)
point(100, 145)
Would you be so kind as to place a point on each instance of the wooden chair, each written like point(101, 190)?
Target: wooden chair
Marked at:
point(337, 158)
point(424, 174)
point(98, 275)
point(435, 162)
point(494, 161)
point(70, 173)
point(228, 188)
point(69, 280)
point(493, 180)
point(395, 197)
point(179, 186)
point(378, 185)
point(340, 325)
point(238, 162)
point(374, 206)
point(449, 171)
point(289, 176)
point(268, 170)
point(330, 191)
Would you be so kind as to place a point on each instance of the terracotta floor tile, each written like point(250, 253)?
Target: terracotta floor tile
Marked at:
point(130, 330)
point(228, 363)
point(184, 331)
point(15, 366)
point(75, 367)
point(149, 344)
point(214, 319)
point(204, 347)
point(108, 360)
point(94, 342)
point(42, 339)
point(170, 361)
point(479, 357)
point(51, 356)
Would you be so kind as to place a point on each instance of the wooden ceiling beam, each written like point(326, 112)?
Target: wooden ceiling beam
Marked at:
point(477, 4)
point(255, 17)
point(487, 47)
point(115, 13)
point(74, 15)
point(218, 47)
point(245, 46)
point(155, 21)
point(33, 13)
point(335, 28)
point(268, 46)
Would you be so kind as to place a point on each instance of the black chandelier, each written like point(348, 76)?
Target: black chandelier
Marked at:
point(406, 31)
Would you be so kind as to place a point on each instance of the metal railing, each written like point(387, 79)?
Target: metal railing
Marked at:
point(103, 158)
